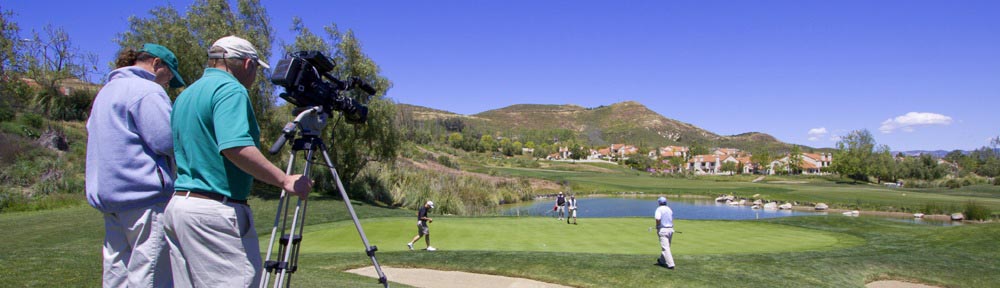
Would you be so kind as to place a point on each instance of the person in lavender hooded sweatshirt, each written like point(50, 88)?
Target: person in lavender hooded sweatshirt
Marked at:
point(130, 166)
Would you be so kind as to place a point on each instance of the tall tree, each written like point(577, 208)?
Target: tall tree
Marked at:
point(697, 149)
point(854, 155)
point(12, 65)
point(10, 44)
point(191, 35)
point(731, 167)
point(885, 167)
point(761, 158)
point(795, 160)
point(51, 60)
point(166, 26)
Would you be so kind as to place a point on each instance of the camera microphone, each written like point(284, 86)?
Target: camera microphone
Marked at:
point(356, 81)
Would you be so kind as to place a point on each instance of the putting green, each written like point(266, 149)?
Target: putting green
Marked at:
point(592, 235)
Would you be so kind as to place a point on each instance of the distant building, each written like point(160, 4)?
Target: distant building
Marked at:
point(669, 151)
point(811, 164)
point(710, 164)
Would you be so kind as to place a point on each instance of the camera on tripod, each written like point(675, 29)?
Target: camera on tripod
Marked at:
point(302, 76)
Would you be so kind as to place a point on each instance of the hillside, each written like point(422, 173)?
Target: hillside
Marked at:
point(625, 122)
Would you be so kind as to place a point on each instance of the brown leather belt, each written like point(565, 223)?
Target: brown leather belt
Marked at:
point(211, 196)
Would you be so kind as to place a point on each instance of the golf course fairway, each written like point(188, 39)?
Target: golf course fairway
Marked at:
point(591, 235)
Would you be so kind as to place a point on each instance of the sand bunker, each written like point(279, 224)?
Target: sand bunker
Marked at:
point(450, 279)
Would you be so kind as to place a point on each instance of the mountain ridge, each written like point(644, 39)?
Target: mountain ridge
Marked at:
point(623, 122)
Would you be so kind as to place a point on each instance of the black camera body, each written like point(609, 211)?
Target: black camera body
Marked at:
point(302, 76)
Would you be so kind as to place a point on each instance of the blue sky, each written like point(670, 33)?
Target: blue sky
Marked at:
point(917, 74)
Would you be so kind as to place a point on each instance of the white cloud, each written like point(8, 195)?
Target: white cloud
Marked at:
point(816, 133)
point(910, 120)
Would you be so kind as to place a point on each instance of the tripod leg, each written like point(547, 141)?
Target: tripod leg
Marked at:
point(294, 240)
point(370, 250)
point(274, 229)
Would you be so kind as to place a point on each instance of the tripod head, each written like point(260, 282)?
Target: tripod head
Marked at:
point(309, 120)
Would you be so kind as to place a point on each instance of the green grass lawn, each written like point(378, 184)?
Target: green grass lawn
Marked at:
point(61, 248)
point(592, 235)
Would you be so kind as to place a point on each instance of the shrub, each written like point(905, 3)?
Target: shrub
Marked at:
point(932, 208)
point(446, 161)
point(373, 186)
point(953, 184)
point(975, 211)
point(76, 106)
point(6, 113)
point(914, 183)
point(32, 120)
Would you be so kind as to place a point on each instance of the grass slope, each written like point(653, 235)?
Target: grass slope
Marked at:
point(592, 235)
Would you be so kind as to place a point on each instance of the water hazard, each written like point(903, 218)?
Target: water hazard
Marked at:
point(684, 208)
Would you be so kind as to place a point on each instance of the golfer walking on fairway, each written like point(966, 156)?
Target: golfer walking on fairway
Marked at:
point(665, 228)
point(560, 203)
point(422, 229)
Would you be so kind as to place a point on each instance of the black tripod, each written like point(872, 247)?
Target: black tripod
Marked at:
point(310, 122)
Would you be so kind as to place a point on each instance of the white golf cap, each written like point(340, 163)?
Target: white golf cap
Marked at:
point(237, 47)
point(430, 203)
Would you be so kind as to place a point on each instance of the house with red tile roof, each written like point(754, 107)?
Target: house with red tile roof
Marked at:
point(811, 163)
point(563, 154)
point(710, 164)
point(616, 150)
point(669, 151)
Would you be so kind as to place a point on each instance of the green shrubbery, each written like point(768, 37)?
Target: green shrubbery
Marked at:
point(934, 208)
point(452, 193)
point(446, 161)
point(950, 183)
point(6, 113)
point(953, 183)
point(32, 120)
point(974, 211)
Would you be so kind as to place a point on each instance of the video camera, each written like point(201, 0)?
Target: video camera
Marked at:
point(302, 76)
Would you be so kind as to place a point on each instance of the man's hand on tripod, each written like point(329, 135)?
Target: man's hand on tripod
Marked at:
point(297, 184)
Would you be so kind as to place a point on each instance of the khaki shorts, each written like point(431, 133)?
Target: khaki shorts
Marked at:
point(422, 229)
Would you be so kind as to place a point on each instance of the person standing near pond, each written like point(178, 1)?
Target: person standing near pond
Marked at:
point(572, 208)
point(665, 229)
point(130, 166)
point(560, 202)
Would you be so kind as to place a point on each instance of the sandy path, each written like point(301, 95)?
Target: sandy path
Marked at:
point(450, 279)
point(896, 284)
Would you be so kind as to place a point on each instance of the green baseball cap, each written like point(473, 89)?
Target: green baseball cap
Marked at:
point(168, 58)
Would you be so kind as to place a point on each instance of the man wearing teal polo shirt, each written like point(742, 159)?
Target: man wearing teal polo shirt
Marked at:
point(208, 224)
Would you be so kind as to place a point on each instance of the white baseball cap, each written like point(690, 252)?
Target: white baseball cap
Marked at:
point(237, 47)
point(430, 203)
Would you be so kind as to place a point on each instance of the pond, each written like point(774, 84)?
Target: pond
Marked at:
point(684, 208)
